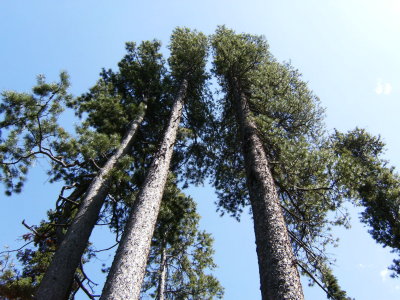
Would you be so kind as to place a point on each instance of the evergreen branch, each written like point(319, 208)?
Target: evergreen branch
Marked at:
point(57, 224)
point(303, 245)
point(324, 188)
point(56, 159)
point(315, 279)
point(292, 201)
point(293, 214)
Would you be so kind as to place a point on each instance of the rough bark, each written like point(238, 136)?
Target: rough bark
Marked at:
point(279, 276)
point(127, 272)
point(67, 210)
point(59, 275)
point(163, 275)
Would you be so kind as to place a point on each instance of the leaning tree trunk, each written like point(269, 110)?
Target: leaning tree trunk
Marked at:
point(127, 272)
point(58, 278)
point(67, 210)
point(279, 276)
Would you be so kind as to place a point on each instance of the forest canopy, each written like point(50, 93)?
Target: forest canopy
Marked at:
point(249, 125)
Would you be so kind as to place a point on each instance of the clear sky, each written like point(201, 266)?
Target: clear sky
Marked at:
point(348, 51)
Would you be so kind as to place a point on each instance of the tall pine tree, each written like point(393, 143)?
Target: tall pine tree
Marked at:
point(187, 62)
point(236, 59)
point(58, 277)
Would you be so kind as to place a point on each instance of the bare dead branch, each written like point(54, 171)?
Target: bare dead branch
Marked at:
point(106, 249)
point(84, 289)
point(31, 228)
point(16, 250)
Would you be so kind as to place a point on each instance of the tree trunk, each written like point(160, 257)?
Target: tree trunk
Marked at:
point(279, 276)
point(67, 210)
point(127, 272)
point(163, 275)
point(59, 275)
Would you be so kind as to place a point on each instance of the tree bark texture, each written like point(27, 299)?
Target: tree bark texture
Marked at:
point(127, 272)
point(279, 276)
point(59, 275)
point(163, 275)
point(67, 210)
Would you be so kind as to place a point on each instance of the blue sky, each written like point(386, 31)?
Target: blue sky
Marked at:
point(347, 50)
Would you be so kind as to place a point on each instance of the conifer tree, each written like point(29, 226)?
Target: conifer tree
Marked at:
point(106, 106)
point(268, 150)
point(29, 129)
point(187, 62)
point(188, 254)
point(180, 254)
point(371, 184)
point(313, 173)
point(58, 277)
point(236, 59)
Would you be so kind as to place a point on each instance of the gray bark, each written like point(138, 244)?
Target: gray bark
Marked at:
point(163, 275)
point(127, 272)
point(67, 210)
point(279, 276)
point(59, 275)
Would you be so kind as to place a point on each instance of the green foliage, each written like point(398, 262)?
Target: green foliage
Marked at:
point(21, 282)
point(114, 101)
point(109, 107)
point(188, 251)
point(314, 173)
point(372, 185)
point(16, 284)
point(332, 286)
point(192, 154)
point(12, 286)
point(189, 49)
point(237, 54)
point(106, 110)
point(29, 128)
point(288, 119)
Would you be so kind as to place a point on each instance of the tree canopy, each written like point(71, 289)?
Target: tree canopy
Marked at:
point(314, 173)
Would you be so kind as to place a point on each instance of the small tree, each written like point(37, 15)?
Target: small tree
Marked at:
point(180, 254)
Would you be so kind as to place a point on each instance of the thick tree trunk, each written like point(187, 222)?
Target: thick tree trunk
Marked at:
point(163, 275)
point(279, 276)
point(58, 277)
point(67, 210)
point(127, 272)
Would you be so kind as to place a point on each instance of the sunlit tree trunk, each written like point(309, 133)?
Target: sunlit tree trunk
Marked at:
point(127, 272)
point(58, 278)
point(277, 265)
